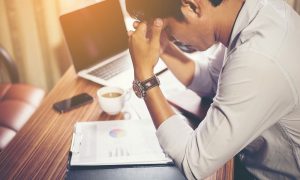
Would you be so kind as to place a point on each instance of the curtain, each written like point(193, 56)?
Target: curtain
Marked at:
point(31, 33)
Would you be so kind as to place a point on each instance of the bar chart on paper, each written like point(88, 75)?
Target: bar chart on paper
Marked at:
point(116, 143)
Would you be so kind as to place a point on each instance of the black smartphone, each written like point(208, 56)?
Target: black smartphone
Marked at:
point(72, 103)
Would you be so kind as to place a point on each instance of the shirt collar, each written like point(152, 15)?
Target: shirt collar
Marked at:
point(248, 12)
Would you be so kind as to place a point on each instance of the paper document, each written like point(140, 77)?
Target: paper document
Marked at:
point(117, 142)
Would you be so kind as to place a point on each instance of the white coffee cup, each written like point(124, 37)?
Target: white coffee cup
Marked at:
point(112, 99)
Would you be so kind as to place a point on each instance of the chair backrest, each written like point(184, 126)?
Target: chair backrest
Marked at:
point(10, 65)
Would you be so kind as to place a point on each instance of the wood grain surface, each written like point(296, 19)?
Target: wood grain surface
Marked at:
point(40, 149)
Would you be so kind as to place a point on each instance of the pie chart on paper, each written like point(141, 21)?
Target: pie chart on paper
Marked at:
point(117, 133)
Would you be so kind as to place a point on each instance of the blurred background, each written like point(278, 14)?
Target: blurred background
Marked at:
point(31, 33)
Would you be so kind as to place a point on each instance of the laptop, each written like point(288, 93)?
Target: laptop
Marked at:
point(97, 40)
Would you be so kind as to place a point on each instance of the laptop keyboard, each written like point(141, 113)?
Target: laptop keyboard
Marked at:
point(111, 69)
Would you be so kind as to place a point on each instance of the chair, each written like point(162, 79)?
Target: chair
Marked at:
point(18, 101)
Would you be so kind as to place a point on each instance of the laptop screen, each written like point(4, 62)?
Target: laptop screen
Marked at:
point(95, 33)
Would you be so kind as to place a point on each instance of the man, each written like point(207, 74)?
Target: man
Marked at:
point(254, 79)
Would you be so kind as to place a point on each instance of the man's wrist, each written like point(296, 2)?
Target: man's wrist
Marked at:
point(142, 76)
point(141, 87)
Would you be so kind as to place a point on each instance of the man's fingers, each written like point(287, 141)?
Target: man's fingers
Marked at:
point(141, 29)
point(156, 30)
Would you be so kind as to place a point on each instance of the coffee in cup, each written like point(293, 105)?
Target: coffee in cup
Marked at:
point(112, 95)
point(112, 99)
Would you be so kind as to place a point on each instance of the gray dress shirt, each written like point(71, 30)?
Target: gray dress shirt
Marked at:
point(255, 113)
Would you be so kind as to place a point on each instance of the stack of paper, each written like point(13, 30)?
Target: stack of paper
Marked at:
point(116, 142)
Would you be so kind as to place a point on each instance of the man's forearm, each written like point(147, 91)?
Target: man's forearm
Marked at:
point(158, 106)
point(179, 64)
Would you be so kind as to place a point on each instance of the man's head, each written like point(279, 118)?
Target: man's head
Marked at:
point(193, 22)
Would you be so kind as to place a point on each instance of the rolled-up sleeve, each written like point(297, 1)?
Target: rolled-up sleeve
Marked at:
point(206, 73)
point(246, 104)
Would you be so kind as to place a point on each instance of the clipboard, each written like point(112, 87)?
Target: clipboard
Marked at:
point(125, 172)
point(135, 171)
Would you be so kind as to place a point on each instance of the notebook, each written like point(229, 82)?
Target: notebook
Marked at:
point(118, 142)
point(97, 40)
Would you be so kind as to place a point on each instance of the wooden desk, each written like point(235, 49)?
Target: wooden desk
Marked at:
point(40, 149)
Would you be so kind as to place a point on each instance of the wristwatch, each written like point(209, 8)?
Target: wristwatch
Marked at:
point(141, 87)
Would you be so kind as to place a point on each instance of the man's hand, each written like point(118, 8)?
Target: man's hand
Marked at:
point(144, 47)
point(164, 40)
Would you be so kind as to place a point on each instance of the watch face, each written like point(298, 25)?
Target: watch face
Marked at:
point(137, 89)
point(140, 88)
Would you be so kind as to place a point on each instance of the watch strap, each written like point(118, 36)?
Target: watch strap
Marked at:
point(141, 87)
point(150, 83)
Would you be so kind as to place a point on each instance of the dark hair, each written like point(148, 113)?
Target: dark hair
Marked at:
point(151, 9)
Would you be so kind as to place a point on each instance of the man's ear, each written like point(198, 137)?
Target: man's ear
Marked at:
point(191, 6)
